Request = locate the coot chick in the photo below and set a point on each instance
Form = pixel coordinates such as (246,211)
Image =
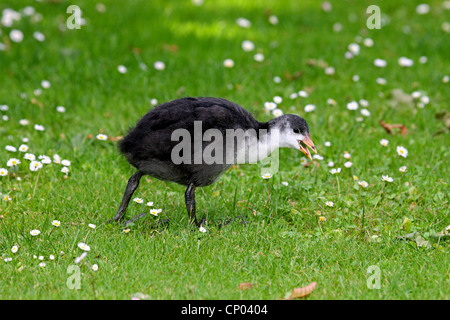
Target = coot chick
(192,141)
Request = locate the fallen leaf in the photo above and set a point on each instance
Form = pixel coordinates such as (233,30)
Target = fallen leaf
(303,292)
(407,224)
(115,138)
(245,285)
(390,127)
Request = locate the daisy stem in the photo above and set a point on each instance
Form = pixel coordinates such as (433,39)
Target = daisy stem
(379,197)
(339,188)
(35,184)
(268,192)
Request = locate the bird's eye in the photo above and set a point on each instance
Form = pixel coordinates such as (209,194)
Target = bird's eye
(296,130)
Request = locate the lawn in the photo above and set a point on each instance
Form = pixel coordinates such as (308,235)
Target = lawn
(355,233)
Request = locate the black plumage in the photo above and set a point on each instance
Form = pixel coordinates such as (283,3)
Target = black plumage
(149,145)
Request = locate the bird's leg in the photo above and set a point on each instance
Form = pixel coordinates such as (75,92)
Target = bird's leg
(190,203)
(133,183)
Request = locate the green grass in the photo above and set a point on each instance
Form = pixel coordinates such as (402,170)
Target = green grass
(276,243)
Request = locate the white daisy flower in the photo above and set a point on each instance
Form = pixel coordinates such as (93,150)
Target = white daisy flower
(334,171)
(347,155)
(329,203)
(327,144)
(266,176)
(159,65)
(228,63)
(102,137)
(331,102)
(202,229)
(60,109)
(13,162)
(149,204)
(16,35)
(365,112)
(423,8)
(155,212)
(138,200)
(348,164)
(45,159)
(80,258)
(277,99)
(247,46)
(330,164)
(354,48)
(329,71)
(24,122)
(95,267)
(39,127)
(363,184)
(277,113)
(42,264)
(363,103)
(384,142)
(35,165)
(353,105)
(45,84)
(380,63)
(381,81)
(317,157)
(66,163)
(10,148)
(84,246)
(368,42)
(285,183)
(243,23)
(56,158)
(405,62)
(269,106)
(91,225)
(29,156)
(258,57)
(310,108)
(56,223)
(14,249)
(402,151)
(35,232)
(277,79)
(23,148)
(39,36)
(51,257)
(387,178)
(403,169)
(122,69)
(303,94)
(273,19)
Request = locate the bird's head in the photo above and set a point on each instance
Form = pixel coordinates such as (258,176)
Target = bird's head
(293,132)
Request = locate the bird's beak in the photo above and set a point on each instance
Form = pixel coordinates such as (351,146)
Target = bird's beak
(308,143)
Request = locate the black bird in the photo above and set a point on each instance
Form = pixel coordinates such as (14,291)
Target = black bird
(192,141)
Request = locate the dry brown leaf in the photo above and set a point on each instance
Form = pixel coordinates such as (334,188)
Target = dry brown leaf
(390,127)
(245,285)
(303,292)
(115,138)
